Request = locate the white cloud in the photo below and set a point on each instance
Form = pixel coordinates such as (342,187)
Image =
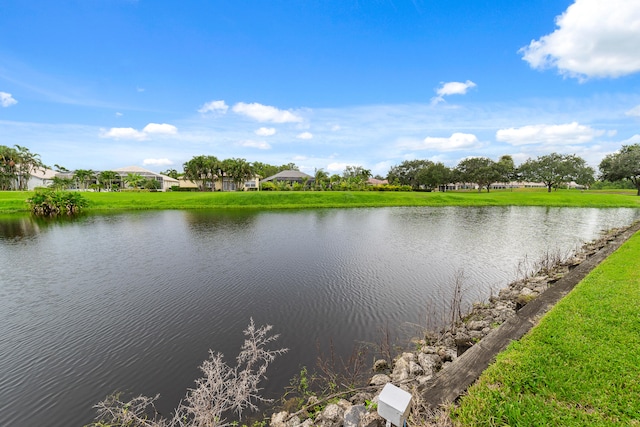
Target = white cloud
(635,139)
(594,38)
(261,145)
(6,100)
(452,88)
(570,133)
(265,131)
(305,135)
(634,112)
(124,133)
(456,141)
(157,162)
(337,167)
(266,113)
(163,129)
(131,133)
(118,114)
(214,107)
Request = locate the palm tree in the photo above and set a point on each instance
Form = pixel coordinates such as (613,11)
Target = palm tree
(202,170)
(83,176)
(239,171)
(320,179)
(8,168)
(61,183)
(27,163)
(106,178)
(134,180)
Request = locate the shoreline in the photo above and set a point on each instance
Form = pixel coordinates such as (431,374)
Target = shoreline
(448,362)
(13,202)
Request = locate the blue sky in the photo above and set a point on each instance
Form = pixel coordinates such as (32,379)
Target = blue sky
(103,84)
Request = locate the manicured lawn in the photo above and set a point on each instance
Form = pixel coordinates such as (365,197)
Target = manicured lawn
(580,366)
(15,201)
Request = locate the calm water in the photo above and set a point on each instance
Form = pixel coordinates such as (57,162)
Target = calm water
(134,301)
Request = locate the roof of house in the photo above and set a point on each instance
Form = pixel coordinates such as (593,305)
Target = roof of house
(374,181)
(43,173)
(143,171)
(290,175)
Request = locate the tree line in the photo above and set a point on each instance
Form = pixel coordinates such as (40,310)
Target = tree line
(16,167)
(554,170)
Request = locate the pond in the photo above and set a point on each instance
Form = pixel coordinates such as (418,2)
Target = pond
(133,301)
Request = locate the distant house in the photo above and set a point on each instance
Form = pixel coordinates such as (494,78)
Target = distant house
(290,177)
(187,183)
(374,181)
(226,185)
(40,178)
(166,182)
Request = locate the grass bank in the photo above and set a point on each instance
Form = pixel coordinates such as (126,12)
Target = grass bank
(14,201)
(581,364)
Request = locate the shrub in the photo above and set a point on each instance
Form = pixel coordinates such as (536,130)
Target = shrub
(268,186)
(46,202)
(222,389)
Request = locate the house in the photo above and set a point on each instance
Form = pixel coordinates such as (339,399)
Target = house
(290,177)
(187,184)
(375,181)
(227,184)
(40,178)
(166,182)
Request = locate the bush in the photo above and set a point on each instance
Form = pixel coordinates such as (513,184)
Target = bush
(390,187)
(46,202)
(268,186)
(222,389)
(617,185)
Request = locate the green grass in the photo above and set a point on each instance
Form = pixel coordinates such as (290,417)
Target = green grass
(580,366)
(13,201)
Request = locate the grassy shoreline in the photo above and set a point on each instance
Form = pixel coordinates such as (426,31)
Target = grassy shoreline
(579,366)
(14,201)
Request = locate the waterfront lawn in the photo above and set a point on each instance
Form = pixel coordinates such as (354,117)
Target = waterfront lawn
(581,364)
(14,201)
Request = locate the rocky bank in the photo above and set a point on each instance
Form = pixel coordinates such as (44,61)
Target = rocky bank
(411,370)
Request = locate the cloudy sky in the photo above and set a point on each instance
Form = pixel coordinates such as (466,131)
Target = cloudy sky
(103,84)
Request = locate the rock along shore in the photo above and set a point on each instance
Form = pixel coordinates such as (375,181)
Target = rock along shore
(421,372)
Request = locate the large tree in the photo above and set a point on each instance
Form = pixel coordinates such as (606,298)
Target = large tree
(406,172)
(555,169)
(202,170)
(478,170)
(433,176)
(506,168)
(622,165)
(238,171)
(264,170)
